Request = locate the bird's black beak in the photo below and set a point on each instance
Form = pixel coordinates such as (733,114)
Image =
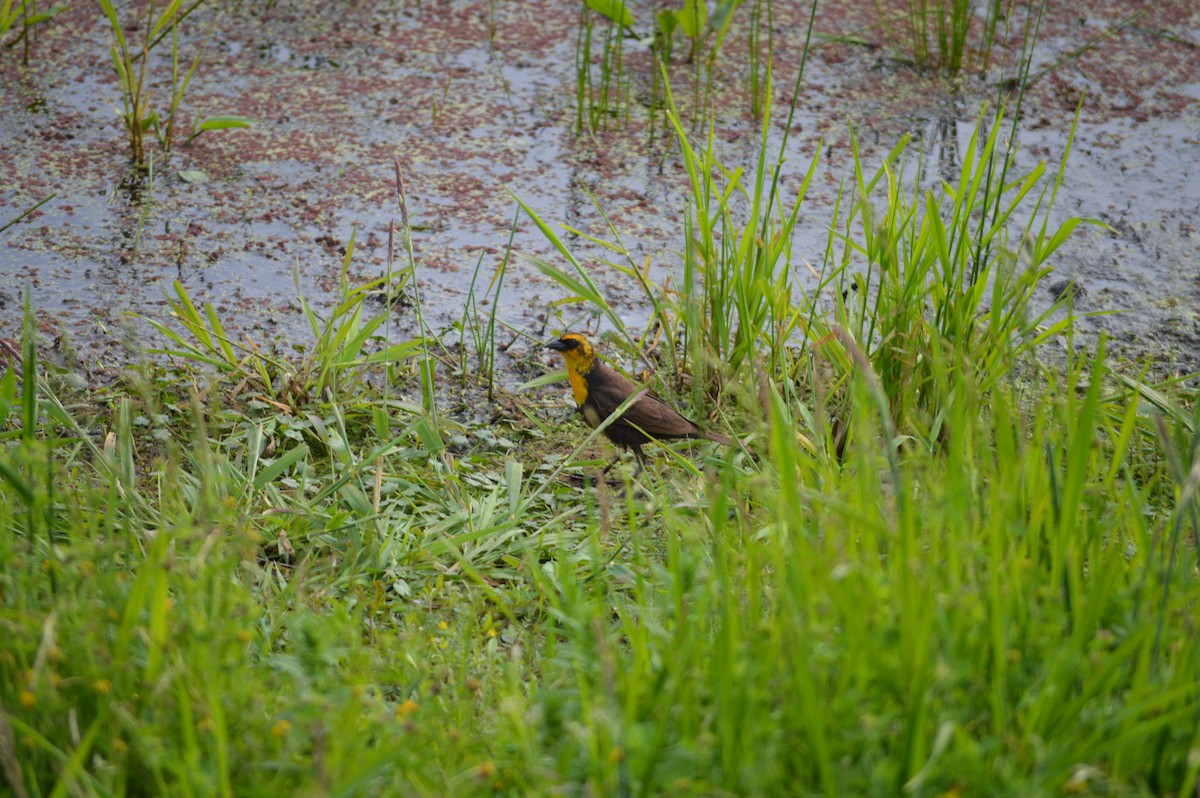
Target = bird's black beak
(557,346)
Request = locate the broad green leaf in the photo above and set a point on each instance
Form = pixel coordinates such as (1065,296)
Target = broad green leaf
(166,18)
(616,10)
(546,379)
(224,123)
(219,123)
(668,21)
(692,18)
(42,17)
(271,472)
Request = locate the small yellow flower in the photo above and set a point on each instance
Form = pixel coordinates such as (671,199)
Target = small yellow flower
(491,633)
(281,728)
(102,686)
(27,699)
(443,625)
(485,770)
(407,708)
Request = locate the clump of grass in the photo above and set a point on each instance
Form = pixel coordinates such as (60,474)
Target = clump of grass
(603,95)
(761,51)
(479,327)
(346,343)
(426,361)
(343,345)
(132,62)
(949,36)
(943,269)
(700,28)
(24,15)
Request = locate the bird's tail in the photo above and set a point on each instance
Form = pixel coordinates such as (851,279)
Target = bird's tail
(717,437)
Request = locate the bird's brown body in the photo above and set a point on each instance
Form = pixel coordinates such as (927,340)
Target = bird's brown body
(599,391)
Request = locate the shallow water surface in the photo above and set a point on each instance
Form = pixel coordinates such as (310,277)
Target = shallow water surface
(341,91)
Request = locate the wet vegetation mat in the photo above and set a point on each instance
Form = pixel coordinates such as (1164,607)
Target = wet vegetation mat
(295,500)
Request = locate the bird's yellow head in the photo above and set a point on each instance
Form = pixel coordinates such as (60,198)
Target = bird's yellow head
(580,358)
(576,351)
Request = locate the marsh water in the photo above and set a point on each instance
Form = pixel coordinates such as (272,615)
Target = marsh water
(477,102)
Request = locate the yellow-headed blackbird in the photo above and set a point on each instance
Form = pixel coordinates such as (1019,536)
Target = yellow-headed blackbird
(599,391)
